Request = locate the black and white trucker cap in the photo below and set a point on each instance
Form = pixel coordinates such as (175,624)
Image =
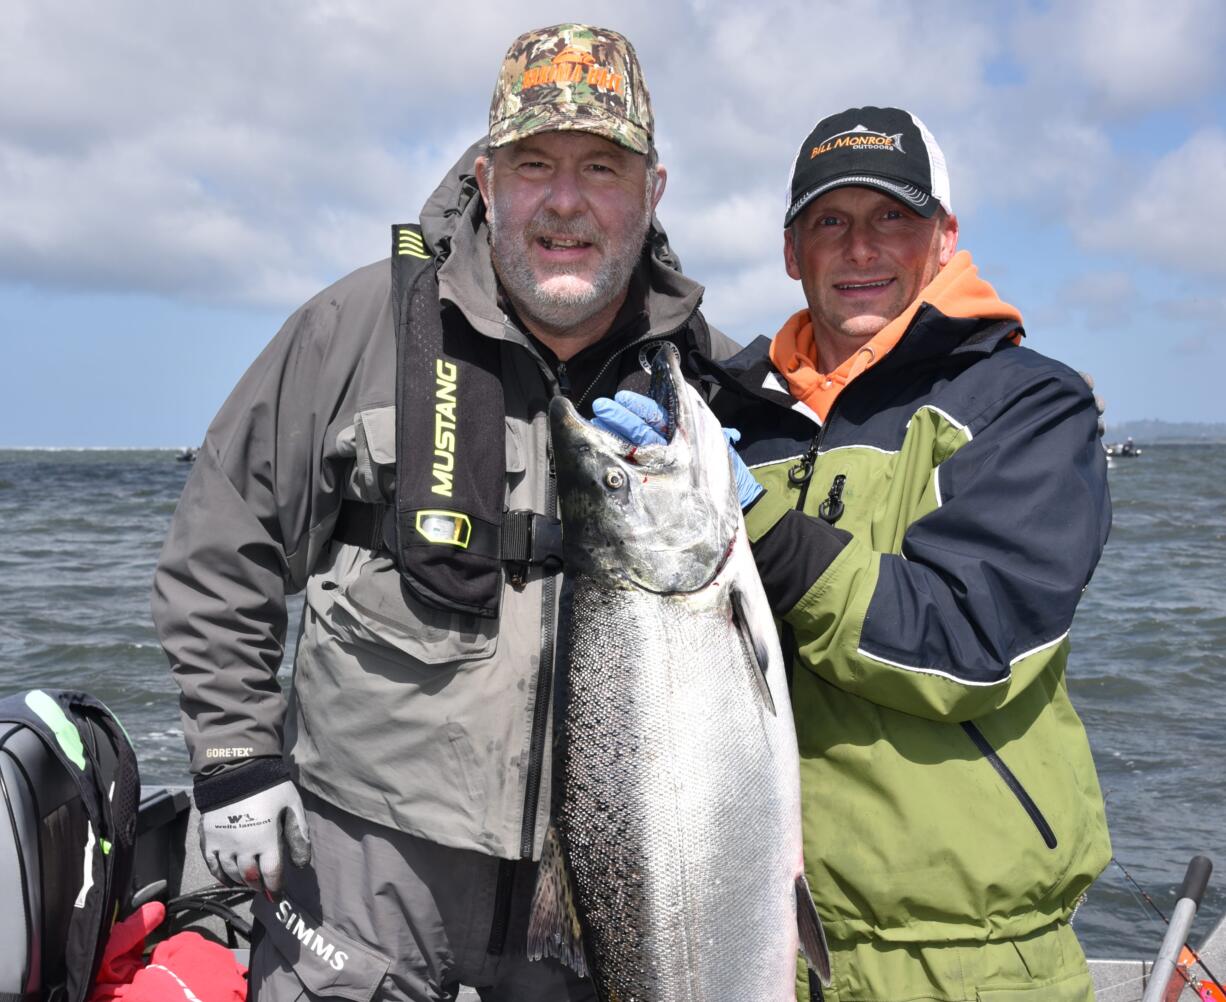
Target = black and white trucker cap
(885,148)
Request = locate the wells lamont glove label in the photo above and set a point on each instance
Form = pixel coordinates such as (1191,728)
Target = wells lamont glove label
(240,821)
(326,961)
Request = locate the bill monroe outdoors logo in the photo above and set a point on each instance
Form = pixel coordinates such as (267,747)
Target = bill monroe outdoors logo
(859,139)
(572,65)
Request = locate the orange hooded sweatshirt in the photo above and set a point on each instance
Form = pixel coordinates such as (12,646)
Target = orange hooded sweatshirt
(957,291)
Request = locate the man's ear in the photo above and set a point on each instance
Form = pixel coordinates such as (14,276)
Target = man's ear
(660,181)
(789,255)
(480,166)
(949,239)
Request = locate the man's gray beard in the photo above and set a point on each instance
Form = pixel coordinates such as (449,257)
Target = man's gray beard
(563,310)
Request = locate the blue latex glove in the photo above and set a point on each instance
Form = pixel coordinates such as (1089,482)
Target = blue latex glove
(748,490)
(641,421)
(632,416)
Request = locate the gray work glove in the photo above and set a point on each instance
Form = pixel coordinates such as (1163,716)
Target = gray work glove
(243,842)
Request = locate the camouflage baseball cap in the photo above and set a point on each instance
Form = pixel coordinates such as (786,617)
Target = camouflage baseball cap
(572,76)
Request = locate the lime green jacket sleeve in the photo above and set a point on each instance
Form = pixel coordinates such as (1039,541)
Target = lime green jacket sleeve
(951,580)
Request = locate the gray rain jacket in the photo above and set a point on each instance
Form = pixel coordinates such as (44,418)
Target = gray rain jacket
(424,721)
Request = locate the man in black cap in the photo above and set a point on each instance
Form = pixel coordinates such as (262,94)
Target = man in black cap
(927,503)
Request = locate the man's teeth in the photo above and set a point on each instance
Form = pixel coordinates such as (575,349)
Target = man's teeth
(864,285)
(558,242)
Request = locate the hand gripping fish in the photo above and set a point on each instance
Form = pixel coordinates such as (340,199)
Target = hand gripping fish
(672,868)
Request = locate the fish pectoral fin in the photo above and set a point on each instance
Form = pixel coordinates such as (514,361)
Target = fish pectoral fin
(812,936)
(760,654)
(553,925)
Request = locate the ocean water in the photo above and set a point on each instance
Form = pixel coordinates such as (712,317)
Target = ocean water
(80,532)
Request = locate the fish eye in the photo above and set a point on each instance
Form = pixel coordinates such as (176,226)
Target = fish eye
(614,479)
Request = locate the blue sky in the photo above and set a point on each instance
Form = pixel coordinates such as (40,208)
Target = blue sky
(175,179)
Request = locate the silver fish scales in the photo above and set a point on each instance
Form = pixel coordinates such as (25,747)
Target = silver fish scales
(672,869)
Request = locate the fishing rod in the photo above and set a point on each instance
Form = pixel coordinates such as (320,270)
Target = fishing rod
(1174,944)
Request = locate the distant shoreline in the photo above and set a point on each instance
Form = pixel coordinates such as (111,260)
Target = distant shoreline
(1154,431)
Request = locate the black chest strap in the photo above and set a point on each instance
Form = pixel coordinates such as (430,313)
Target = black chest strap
(529,539)
(445,529)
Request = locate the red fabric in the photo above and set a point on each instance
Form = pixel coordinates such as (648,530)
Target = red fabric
(125,948)
(188,967)
(184,968)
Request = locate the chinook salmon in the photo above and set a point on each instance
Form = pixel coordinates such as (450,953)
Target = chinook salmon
(672,867)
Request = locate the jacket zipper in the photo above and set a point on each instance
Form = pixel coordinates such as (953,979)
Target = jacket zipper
(633,344)
(1011,781)
(544,686)
(540,719)
(800,475)
(831,510)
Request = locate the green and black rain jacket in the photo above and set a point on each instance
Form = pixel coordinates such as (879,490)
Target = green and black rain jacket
(924,550)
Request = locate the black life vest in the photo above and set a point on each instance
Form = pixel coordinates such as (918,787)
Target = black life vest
(447,531)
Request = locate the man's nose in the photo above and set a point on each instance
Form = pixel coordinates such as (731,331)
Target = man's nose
(565,196)
(860,247)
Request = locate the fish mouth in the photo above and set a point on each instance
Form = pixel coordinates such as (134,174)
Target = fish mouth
(657,518)
(665,370)
(664,390)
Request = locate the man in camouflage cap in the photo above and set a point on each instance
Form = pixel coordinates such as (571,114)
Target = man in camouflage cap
(572,77)
(570,180)
(411,761)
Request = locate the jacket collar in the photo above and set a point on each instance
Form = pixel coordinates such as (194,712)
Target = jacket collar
(931,334)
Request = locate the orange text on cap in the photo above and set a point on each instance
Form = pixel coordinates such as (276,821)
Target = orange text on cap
(568,67)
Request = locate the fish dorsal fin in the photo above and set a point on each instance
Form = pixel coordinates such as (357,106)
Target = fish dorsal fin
(760,658)
(812,935)
(553,926)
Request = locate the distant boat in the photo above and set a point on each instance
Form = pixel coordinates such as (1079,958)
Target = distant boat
(1124,450)
(187,454)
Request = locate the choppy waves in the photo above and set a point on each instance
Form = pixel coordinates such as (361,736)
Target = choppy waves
(83,528)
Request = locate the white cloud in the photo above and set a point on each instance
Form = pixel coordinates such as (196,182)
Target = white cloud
(751,300)
(249,153)
(742,226)
(1103,300)
(1129,55)
(1176,217)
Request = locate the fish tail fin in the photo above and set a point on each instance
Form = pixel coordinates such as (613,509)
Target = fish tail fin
(812,936)
(553,925)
